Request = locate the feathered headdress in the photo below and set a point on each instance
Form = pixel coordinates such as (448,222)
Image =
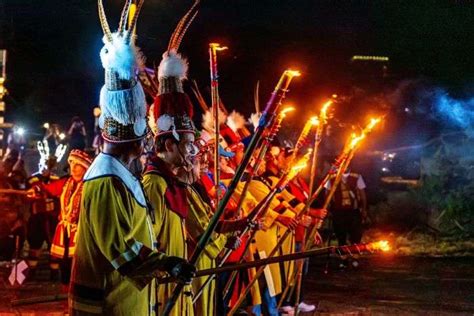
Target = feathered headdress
(122,99)
(172,110)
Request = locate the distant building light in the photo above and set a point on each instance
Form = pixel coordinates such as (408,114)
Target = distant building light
(369,58)
(385,169)
(407,110)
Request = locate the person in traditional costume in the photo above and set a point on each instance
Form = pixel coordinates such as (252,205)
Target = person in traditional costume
(279,217)
(295,194)
(63,246)
(181,210)
(116,259)
(45,208)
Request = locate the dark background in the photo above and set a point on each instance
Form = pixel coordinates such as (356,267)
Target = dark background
(54,70)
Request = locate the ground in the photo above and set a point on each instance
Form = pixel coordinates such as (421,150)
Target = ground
(382,285)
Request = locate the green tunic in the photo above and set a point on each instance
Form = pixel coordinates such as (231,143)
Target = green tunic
(115,259)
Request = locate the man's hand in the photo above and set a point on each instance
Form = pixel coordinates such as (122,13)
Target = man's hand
(318,223)
(306,221)
(180,269)
(320,213)
(318,240)
(287,221)
(233,242)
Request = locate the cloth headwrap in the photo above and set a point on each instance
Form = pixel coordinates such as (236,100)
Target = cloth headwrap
(79,157)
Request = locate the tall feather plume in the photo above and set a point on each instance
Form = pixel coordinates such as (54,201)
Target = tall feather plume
(124,16)
(133,23)
(182,27)
(103,21)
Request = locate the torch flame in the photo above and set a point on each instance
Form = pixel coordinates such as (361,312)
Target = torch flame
(314,120)
(355,140)
(286,110)
(324,109)
(299,165)
(372,123)
(382,245)
(292,73)
(217,47)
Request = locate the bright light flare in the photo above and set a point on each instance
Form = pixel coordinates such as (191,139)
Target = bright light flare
(96,111)
(46,125)
(217,47)
(62,136)
(314,121)
(20,131)
(382,245)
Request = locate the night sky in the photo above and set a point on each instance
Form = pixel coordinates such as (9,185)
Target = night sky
(54,69)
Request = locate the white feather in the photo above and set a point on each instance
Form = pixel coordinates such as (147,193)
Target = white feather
(235,121)
(255,119)
(121,56)
(208,120)
(173,65)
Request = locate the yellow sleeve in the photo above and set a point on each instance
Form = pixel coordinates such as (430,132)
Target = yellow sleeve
(197,222)
(109,211)
(154,187)
(259,190)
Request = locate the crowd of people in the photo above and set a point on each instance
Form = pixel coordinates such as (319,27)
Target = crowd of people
(137,211)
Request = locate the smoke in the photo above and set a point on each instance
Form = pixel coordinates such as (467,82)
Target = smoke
(458,112)
(424,100)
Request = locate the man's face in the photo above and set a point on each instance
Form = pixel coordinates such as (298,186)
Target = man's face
(183,152)
(77,171)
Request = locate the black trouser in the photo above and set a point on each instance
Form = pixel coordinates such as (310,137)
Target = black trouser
(347,225)
(40,228)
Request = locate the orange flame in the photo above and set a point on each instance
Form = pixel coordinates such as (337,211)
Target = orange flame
(382,245)
(324,109)
(286,110)
(292,73)
(356,140)
(217,47)
(299,165)
(371,125)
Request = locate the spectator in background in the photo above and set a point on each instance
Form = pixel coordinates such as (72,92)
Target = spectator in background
(16,139)
(52,137)
(349,210)
(77,134)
